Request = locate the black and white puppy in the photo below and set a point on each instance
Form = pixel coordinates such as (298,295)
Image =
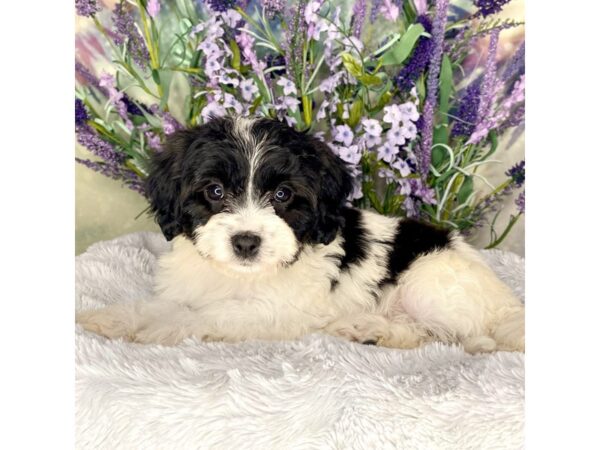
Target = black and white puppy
(265,247)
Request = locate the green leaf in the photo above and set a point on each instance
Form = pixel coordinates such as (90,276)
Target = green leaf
(156,76)
(370,80)
(403,48)
(465,190)
(235,58)
(352,65)
(355,112)
(440,135)
(446,87)
(438,157)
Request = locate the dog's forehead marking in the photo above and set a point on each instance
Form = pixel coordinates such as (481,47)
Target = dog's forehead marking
(253,148)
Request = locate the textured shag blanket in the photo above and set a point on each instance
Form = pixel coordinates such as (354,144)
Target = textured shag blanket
(316,393)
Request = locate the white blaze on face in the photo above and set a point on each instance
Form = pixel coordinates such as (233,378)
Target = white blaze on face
(248,214)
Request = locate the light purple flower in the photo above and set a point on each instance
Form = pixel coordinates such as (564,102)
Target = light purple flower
(211,67)
(372,127)
(322,113)
(153,8)
(170,124)
(329,84)
(248,89)
(389,10)
(392,114)
(350,154)
(395,136)
(213,109)
(289,88)
(520,202)
(409,112)
(371,141)
(409,130)
(343,134)
(401,166)
(290,103)
(420,6)
(231,18)
(387,152)
(229,101)
(291,121)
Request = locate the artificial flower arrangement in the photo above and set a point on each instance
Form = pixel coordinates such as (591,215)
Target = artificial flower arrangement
(398,106)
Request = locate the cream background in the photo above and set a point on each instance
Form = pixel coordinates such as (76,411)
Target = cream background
(105,210)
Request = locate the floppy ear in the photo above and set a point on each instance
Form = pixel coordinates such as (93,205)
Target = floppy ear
(336,185)
(163,185)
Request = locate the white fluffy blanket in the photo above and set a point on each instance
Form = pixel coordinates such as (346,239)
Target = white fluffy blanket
(319,392)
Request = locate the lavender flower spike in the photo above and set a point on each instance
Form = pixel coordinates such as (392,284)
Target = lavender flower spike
(488,92)
(437,32)
(86,8)
(358,13)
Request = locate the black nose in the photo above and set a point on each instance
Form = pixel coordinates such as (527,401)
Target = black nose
(245,245)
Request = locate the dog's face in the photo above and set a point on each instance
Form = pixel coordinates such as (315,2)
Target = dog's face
(248,192)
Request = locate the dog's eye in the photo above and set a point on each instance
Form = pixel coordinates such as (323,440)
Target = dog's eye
(282,195)
(215,192)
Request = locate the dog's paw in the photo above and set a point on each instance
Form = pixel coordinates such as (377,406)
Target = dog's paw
(112,322)
(156,334)
(365,329)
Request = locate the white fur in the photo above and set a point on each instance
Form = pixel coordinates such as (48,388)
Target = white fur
(449,296)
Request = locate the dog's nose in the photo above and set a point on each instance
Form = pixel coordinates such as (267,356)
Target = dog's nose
(245,245)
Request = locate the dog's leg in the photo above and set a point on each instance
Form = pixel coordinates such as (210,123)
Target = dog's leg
(142,322)
(376,329)
(458,299)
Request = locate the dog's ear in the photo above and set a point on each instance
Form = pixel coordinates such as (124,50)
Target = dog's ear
(336,186)
(163,185)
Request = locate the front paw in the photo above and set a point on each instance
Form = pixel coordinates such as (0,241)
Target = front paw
(368,329)
(113,322)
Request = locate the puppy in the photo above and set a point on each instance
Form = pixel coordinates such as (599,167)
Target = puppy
(265,247)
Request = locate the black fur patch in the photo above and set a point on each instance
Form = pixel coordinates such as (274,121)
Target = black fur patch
(354,234)
(412,240)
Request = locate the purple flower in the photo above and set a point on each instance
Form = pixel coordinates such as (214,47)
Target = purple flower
(221,5)
(409,112)
(89,78)
(116,172)
(467,110)
(343,134)
(81,115)
(487,94)
(350,154)
(488,7)
(273,7)
(409,130)
(520,202)
(419,59)
(439,25)
(401,166)
(392,114)
(389,10)
(372,127)
(387,152)
(126,31)
(170,124)
(516,65)
(358,16)
(517,173)
(86,8)
(132,108)
(99,147)
(289,88)
(248,88)
(395,136)
(153,8)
